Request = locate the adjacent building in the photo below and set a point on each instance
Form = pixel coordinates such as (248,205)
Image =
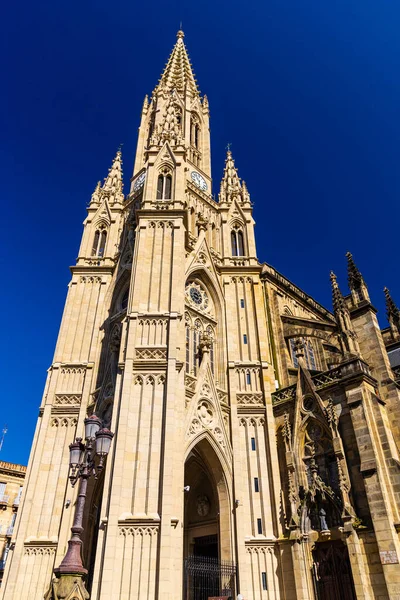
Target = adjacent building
(11,484)
(257,433)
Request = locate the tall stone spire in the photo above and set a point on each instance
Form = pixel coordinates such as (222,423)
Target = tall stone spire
(356,281)
(178,73)
(347,336)
(232,188)
(393,314)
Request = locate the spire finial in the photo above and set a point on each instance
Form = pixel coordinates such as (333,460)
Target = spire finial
(392,312)
(178,73)
(113,183)
(355,279)
(337,298)
(354,275)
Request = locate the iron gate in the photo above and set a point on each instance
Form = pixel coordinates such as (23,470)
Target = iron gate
(332,572)
(206,577)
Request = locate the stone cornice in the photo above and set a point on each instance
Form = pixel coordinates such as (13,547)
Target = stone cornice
(270,273)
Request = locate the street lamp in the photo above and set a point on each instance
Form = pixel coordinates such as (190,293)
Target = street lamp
(86,459)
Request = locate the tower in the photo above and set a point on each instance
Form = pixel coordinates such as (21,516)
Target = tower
(256,433)
(164,337)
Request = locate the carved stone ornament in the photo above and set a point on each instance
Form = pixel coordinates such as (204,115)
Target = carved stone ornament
(67,587)
(203,506)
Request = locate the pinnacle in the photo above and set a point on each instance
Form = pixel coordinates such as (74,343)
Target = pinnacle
(178,73)
(391,309)
(355,278)
(231,184)
(113,182)
(337,298)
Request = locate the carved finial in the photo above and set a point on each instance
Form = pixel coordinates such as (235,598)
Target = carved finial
(180,34)
(356,281)
(392,312)
(113,183)
(337,298)
(231,186)
(346,334)
(96,194)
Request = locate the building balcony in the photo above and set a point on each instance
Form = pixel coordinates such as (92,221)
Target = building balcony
(3,501)
(16,503)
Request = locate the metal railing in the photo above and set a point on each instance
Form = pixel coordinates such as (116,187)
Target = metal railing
(17,501)
(207,577)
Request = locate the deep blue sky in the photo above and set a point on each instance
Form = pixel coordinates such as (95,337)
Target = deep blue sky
(308,92)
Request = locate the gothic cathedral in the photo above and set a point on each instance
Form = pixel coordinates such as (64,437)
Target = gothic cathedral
(256,433)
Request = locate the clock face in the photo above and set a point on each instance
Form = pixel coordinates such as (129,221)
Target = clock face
(139,181)
(196,296)
(199,181)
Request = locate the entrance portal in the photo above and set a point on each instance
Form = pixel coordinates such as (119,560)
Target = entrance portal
(208,572)
(332,572)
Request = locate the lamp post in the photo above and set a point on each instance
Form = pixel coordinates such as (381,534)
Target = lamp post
(83,464)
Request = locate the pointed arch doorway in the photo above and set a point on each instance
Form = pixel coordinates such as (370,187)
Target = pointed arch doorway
(209,570)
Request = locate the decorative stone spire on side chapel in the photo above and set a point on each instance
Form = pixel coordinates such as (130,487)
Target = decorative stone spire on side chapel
(393,314)
(347,336)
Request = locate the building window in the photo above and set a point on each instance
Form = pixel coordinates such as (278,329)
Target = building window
(248,378)
(264,580)
(242,303)
(234,243)
(244,338)
(187,349)
(256,488)
(99,242)
(259,526)
(253,443)
(237,242)
(358,294)
(2,489)
(164,186)
(124,300)
(309,354)
(194,131)
(18,498)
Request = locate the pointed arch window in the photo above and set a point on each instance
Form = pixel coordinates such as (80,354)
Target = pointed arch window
(124,300)
(99,242)
(309,354)
(164,186)
(187,348)
(195,131)
(237,242)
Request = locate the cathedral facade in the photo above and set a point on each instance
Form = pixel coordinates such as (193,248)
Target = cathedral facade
(256,433)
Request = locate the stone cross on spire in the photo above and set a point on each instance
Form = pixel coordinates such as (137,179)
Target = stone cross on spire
(178,73)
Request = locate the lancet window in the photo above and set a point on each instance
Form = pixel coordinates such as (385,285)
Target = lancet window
(164,185)
(237,242)
(195,332)
(99,241)
(309,354)
(194,131)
